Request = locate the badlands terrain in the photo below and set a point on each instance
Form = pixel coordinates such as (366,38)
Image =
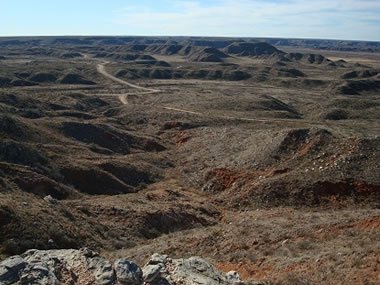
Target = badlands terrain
(259,155)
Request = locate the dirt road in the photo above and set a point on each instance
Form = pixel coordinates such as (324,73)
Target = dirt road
(124,100)
(124,97)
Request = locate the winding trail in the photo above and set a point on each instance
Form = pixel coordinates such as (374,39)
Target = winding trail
(124,100)
(124,97)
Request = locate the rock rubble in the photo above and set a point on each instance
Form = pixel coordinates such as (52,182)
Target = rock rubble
(85,267)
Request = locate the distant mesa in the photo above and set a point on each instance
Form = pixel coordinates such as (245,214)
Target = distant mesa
(139,44)
(125,56)
(357,87)
(194,53)
(43,78)
(73,78)
(153,63)
(220,44)
(335,115)
(136,47)
(236,75)
(307,58)
(126,74)
(167,73)
(208,55)
(166,49)
(173,49)
(23,79)
(290,72)
(360,74)
(251,49)
(17,82)
(160,74)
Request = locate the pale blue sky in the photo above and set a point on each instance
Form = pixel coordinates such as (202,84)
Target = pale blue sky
(334,19)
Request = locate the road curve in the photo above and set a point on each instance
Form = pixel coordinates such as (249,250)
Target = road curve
(102,70)
(123,99)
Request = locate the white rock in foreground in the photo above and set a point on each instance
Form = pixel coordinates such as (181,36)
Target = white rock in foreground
(85,267)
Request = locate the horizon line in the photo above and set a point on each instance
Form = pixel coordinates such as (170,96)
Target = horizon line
(188,36)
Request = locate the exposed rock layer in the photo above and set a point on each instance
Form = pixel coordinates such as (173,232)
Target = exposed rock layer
(87,267)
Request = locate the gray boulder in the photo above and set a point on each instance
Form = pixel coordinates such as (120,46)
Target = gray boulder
(195,270)
(127,272)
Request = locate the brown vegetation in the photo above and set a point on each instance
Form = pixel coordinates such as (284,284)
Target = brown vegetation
(261,160)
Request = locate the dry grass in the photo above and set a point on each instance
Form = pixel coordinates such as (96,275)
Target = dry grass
(252,176)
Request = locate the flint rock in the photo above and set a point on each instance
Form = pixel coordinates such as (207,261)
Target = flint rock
(128,272)
(151,272)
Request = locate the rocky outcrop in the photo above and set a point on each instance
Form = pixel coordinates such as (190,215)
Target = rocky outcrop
(196,270)
(85,267)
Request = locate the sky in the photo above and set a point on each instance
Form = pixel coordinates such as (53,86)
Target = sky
(322,19)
